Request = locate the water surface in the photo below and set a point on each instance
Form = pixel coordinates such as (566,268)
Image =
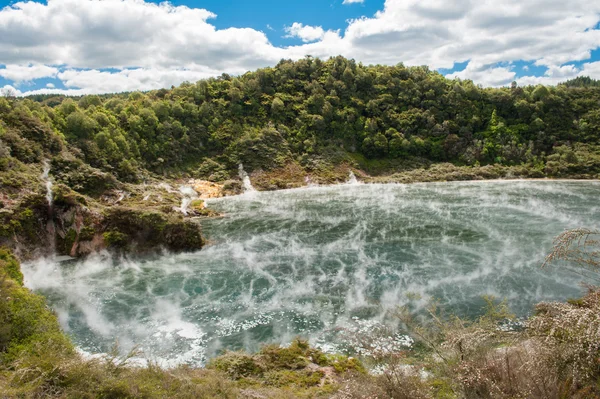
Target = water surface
(320,262)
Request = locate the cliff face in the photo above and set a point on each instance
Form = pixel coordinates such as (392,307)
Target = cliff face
(75,225)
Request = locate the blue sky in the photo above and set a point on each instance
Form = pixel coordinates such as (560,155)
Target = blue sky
(87,46)
(277,14)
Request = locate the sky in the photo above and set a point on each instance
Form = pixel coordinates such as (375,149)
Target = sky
(103,46)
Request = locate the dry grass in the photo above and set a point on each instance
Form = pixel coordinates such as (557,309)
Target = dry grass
(577,247)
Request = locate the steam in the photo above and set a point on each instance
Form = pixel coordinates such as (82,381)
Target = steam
(50,227)
(189,195)
(47,182)
(247,184)
(352,179)
(326,263)
(122,196)
(166,187)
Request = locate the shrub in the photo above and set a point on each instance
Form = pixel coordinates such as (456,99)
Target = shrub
(115,239)
(28,326)
(9,265)
(143,231)
(236,365)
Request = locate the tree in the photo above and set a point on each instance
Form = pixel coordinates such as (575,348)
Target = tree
(80,126)
(376,146)
(540,93)
(277,106)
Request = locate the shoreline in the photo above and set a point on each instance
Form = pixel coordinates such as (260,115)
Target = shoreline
(398,183)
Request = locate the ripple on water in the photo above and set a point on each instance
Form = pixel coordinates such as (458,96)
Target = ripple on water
(328,263)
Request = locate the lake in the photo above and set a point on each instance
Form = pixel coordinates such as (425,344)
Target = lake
(327,263)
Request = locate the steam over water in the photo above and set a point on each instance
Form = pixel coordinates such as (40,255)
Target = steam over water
(318,262)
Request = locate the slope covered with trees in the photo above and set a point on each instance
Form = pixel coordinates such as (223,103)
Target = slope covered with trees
(308,112)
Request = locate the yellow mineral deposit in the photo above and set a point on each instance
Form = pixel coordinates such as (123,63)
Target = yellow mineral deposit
(207,189)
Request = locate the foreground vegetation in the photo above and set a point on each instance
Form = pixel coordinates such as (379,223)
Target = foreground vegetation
(553,354)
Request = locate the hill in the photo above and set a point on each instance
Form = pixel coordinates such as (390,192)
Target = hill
(309,120)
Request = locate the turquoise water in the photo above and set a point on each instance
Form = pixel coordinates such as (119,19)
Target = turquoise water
(327,263)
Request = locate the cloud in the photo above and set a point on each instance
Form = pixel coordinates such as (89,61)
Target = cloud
(80,82)
(486,75)
(124,33)
(156,45)
(555,75)
(9,91)
(498,76)
(591,69)
(305,32)
(27,73)
(95,81)
(353,1)
(439,33)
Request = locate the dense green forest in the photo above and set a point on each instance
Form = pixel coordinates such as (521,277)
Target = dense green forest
(311,112)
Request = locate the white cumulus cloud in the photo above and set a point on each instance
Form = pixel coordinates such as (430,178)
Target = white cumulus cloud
(486,75)
(497,76)
(125,33)
(305,32)
(353,1)
(156,45)
(27,73)
(557,74)
(95,81)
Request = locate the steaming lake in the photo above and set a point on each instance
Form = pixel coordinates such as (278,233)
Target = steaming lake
(319,262)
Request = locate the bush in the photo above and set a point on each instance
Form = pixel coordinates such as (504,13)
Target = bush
(28,326)
(9,266)
(147,231)
(115,239)
(236,364)
(81,177)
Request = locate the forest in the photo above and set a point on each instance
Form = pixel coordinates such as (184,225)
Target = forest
(313,114)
